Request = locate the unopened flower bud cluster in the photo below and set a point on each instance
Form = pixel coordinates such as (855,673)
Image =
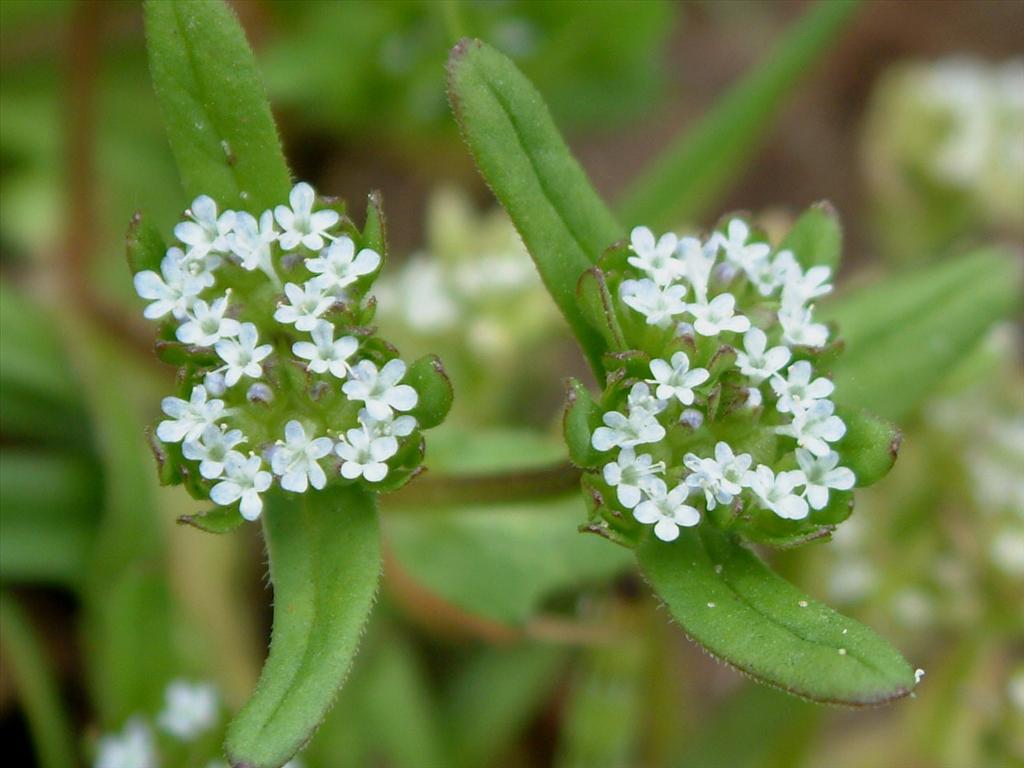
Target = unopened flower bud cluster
(733,305)
(283,381)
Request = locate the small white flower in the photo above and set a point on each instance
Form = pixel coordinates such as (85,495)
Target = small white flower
(245,479)
(641,399)
(241,356)
(212,448)
(748,257)
(379,390)
(815,427)
(797,391)
(300,223)
(775,492)
(188,418)
(174,290)
(295,460)
(666,510)
(770,275)
(722,477)
(251,241)
(324,353)
(802,287)
(190,709)
(393,426)
(133,747)
(206,324)
(676,379)
(206,232)
(365,455)
(340,266)
(658,305)
(656,259)
(717,316)
(822,473)
(625,431)
(799,328)
(306,305)
(698,261)
(630,475)
(757,362)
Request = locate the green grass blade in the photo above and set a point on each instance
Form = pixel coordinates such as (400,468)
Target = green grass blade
(730,603)
(688,178)
(904,335)
(37,690)
(518,149)
(324,564)
(214,106)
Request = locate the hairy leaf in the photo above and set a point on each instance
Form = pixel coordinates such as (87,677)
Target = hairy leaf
(214,106)
(689,177)
(907,333)
(324,564)
(518,149)
(730,603)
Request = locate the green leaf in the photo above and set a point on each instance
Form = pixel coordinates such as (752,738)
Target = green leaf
(870,445)
(217,520)
(214,106)
(375,228)
(38,692)
(324,564)
(688,178)
(144,244)
(582,416)
(816,238)
(428,377)
(596,304)
(518,149)
(730,603)
(494,696)
(906,334)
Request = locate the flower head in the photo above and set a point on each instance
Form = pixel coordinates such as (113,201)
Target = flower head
(172,291)
(797,391)
(364,454)
(244,481)
(756,361)
(133,747)
(207,324)
(306,304)
(339,266)
(666,510)
(324,353)
(212,448)
(776,491)
(379,390)
(630,475)
(822,473)
(658,305)
(296,459)
(188,417)
(190,709)
(657,259)
(251,242)
(676,379)
(242,356)
(300,223)
(206,231)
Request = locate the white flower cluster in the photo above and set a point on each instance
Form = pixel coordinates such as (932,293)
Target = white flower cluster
(218,311)
(727,294)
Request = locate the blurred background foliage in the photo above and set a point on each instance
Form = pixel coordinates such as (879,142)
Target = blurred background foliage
(505,638)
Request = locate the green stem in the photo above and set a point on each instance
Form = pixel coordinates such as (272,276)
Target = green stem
(37,689)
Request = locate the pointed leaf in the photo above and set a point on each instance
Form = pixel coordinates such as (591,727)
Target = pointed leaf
(689,177)
(582,416)
(870,445)
(518,149)
(217,520)
(428,377)
(730,603)
(816,238)
(324,564)
(145,246)
(213,104)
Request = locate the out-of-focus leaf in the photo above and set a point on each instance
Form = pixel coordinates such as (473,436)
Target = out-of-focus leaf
(731,604)
(388,715)
(49,512)
(324,564)
(214,107)
(688,178)
(493,697)
(37,691)
(816,238)
(756,727)
(518,149)
(904,335)
(519,552)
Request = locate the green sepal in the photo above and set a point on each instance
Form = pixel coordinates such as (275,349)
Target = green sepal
(816,238)
(581,417)
(598,308)
(428,377)
(144,245)
(217,520)
(870,445)
(177,354)
(375,228)
(168,468)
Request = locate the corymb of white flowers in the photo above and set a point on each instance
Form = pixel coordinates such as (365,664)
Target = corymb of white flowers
(715,408)
(282,378)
